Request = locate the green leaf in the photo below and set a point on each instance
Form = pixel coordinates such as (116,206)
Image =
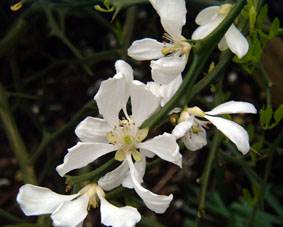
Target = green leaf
(278,115)
(261,18)
(274,28)
(265,117)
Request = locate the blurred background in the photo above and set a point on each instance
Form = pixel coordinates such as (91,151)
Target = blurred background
(53,56)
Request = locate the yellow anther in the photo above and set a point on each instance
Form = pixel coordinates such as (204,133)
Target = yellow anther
(173,119)
(111,137)
(16,6)
(127,140)
(225,9)
(166,50)
(136,155)
(120,155)
(196,111)
(142,134)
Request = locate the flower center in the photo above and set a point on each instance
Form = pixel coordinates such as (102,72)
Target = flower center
(91,191)
(182,46)
(225,9)
(126,135)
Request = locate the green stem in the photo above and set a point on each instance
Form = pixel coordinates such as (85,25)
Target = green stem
(15,139)
(268,166)
(205,176)
(201,52)
(48,139)
(95,174)
(267,84)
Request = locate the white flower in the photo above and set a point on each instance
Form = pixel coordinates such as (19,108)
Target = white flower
(102,136)
(172,55)
(193,132)
(71,210)
(165,91)
(210,18)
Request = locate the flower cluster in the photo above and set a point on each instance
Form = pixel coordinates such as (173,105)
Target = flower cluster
(124,104)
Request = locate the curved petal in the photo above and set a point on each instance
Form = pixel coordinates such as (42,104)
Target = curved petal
(144,103)
(222,45)
(125,69)
(111,215)
(233,107)
(35,200)
(204,30)
(145,49)
(237,43)
(71,213)
(92,130)
(108,106)
(165,147)
(206,15)
(172,15)
(182,128)
(114,178)
(195,141)
(140,167)
(82,154)
(169,90)
(236,133)
(166,69)
(157,203)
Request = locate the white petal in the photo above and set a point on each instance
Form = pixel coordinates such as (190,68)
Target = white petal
(144,103)
(236,133)
(111,215)
(237,43)
(169,90)
(125,69)
(204,30)
(233,107)
(172,15)
(167,69)
(157,203)
(114,178)
(195,141)
(71,213)
(140,167)
(92,130)
(222,45)
(108,106)
(207,15)
(182,128)
(82,154)
(165,147)
(35,200)
(145,49)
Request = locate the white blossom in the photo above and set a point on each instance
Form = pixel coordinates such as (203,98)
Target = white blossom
(209,18)
(71,210)
(124,136)
(169,58)
(192,130)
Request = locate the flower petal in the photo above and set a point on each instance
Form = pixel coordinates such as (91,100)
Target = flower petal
(35,200)
(204,30)
(236,133)
(123,68)
(140,167)
(144,103)
(114,178)
(111,215)
(206,15)
(108,106)
(233,107)
(82,154)
(237,43)
(92,130)
(172,15)
(182,128)
(222,45)
(157,203)
(71,213)
(195,141)
(145,49)
(165,147)
(166,69)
